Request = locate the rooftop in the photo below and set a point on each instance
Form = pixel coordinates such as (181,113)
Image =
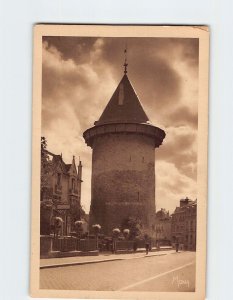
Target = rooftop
(124,106)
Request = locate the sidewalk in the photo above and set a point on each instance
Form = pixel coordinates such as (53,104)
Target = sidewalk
(81,260)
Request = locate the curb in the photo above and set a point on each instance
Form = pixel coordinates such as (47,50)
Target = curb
(96,261)
(79,263)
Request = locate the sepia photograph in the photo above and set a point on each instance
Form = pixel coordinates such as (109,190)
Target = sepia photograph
(119,168)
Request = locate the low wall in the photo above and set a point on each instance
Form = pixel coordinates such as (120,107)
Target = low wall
(124,245)
(45,244)
(129,245)
(73,246)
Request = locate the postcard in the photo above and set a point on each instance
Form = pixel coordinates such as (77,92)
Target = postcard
(119,165)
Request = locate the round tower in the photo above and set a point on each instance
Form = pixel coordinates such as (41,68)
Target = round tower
(123,161)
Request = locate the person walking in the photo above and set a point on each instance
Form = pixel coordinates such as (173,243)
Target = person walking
(177,246)
(147,245)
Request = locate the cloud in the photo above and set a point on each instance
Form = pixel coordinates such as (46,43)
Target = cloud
(79,76)
(180,148)
(78,86)
(183,116)
(171,186)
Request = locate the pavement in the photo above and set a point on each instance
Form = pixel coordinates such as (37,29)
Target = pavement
(164,271)
(81,260)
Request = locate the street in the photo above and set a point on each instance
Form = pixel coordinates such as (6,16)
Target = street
(169,272)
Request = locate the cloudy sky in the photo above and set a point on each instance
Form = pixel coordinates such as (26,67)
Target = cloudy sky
(79,78)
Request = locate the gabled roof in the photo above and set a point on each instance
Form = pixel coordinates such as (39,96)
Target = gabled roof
(58,161)
(124,106)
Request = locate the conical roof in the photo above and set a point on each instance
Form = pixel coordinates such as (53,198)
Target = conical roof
(124,106)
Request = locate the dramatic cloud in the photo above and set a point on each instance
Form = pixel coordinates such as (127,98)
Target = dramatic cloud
(172,185)
(81,74)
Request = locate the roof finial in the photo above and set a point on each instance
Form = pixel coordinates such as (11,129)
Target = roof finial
(125,64)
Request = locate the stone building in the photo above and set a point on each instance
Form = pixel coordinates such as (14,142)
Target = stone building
(61,201)
(123,161)
(163,226)
(184,224)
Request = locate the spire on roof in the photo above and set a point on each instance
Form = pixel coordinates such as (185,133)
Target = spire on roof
(124,106)
(125,64)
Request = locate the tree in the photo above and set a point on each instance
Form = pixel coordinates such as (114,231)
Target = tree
(46,208)
(79,227)
(44,170)
(46,202)
(126,233)
(58,223)
(96,228)
(76,213)
(134,225)
(116,232)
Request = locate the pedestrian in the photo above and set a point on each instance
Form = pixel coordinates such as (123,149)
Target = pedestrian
(177,246)
(147,244)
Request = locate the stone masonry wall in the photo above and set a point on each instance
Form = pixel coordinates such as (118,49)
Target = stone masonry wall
(123,180)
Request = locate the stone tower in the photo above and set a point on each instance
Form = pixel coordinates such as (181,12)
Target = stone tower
(123,161)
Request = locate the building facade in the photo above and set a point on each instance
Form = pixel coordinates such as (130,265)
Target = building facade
(184,224)
(123,161)
(162,227)
(61,198)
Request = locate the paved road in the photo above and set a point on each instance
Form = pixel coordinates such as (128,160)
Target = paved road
(171,272)
(62,261)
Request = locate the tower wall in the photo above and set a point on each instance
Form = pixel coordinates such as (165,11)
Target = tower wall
(123,179)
